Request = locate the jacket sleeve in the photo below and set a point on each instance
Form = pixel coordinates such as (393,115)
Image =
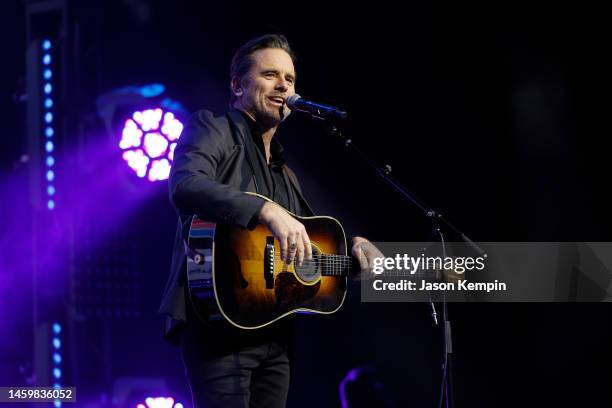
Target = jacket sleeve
(201,149)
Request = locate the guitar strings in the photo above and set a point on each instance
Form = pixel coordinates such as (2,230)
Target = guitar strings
(341,261)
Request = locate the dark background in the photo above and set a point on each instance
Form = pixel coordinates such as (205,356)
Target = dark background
(493,114)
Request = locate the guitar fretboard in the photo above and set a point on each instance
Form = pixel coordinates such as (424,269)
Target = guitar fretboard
(335,265)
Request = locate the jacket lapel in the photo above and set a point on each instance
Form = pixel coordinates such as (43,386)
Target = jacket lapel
(242,136)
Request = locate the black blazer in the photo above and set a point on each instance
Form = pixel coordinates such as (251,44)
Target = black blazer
(213,166)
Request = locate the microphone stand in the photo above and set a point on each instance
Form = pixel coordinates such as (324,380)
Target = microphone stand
(437,220)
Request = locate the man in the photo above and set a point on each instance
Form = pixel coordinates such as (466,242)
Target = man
(217,159)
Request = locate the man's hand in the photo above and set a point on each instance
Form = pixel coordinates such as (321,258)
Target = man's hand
(290,233)
(365,252)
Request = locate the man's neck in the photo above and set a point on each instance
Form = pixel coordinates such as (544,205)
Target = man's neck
(266,135)
(267,139)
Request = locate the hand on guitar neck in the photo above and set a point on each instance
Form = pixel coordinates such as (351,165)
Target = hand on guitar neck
(365,252)
(287,230)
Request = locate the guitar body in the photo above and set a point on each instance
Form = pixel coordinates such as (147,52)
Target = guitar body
(237,275)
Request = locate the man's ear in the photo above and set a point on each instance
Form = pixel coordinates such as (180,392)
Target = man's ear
(236,86)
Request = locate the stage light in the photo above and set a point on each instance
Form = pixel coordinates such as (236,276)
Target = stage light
(50,161)
(148,119)
(148,140)
(160,170)
(148,125)
(50,204)
(152,90)
(50,175)
(131,135)
(49,147)
(46,59)
(49,132)
(155,145)
(46,45)
(48,103)
(57,343)
(172,127)
(48,117)
(57,404)
(47,74)
(48,88)
(50,190)
(57,373)
(57,328)
(159,402)
(137,160)
(57,358)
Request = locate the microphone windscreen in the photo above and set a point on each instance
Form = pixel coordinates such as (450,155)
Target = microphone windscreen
(292,100)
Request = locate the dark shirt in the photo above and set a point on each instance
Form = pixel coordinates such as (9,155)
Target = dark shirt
(271,179)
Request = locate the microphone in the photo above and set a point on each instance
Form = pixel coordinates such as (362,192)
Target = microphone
(316,110)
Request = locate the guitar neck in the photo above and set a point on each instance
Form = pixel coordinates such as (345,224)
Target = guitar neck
(342,265)
(336,265)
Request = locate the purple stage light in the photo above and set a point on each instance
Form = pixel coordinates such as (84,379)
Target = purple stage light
(148,140)
(138,161)
(155,144)
(160,402)
(131,135)
(172,127)
(148,119)
(160,170)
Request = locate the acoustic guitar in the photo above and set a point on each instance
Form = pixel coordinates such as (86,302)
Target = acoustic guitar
(237,274)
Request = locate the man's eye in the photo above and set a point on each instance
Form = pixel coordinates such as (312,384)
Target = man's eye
(269,75)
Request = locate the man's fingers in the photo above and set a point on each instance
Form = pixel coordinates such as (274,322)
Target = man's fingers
(284,245)
(363,259)
(300,251)
(293,246)
(307,246)
(289,232)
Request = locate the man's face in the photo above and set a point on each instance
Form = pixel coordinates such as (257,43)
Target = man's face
(262,92)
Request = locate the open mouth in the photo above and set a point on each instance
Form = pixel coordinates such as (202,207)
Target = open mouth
(276,100)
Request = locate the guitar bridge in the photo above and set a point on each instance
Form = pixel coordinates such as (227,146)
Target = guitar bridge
(269,263)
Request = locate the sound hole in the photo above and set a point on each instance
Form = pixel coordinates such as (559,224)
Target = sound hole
(310,271)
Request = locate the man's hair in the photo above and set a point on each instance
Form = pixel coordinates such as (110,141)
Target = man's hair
(242,61)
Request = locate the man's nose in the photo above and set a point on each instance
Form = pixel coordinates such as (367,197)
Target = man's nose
(282,84)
